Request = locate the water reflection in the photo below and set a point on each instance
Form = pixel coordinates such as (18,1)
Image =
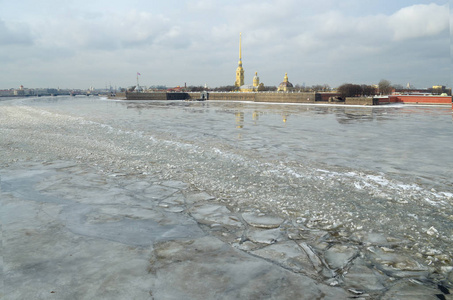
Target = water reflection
(256,116)
(343,115)
(239,119)
(353,115)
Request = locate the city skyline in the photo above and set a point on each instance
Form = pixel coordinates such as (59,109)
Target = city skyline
(79,44)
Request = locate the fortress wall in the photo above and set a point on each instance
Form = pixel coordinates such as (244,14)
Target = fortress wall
(325,96)
(232,96)
(265,97)
(177,96)
(147,96)
(118,96)
(421,99)
(157,96)
(193,95)
(359,101)
(286,97)
(276,97)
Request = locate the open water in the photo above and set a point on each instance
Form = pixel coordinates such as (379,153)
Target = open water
(385,169)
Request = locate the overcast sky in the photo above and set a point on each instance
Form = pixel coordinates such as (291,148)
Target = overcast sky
(81,43)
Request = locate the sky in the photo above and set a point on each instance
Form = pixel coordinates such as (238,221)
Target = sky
(98,43)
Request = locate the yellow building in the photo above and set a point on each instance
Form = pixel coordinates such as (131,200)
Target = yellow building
(257,86)
(239,71)
(256,80)
(285,86)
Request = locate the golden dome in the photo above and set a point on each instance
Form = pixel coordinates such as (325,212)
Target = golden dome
(256,80)
(285,85)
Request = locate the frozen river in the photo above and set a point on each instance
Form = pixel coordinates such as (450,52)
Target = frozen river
(353,172)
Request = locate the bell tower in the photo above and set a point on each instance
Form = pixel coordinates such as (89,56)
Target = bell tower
(239,71)
(256,80)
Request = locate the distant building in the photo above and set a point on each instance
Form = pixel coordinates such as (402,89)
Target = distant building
(176,89)
(439,89)
(256,86)
(256,80)
(239,71)
(21,91)
(285,86)
(5,93)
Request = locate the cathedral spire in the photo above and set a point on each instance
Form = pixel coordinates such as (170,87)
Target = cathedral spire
(240,71)
(240,49)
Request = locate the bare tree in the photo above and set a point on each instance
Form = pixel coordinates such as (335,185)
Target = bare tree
(385,87)
(269,88)
(368,90)
(228,88)
(350,90)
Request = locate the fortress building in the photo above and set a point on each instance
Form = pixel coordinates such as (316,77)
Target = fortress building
(239,71)
(285,86)
(240,75)
(257,86)
(256,80)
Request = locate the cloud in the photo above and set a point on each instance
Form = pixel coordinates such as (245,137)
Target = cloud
(342,36)
(412,22)
(202,6)
(419,21)
(14,34)
(316,42)
(108,32)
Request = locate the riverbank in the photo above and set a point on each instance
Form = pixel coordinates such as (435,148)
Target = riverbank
(289,97)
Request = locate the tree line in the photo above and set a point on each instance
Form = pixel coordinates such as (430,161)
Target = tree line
(356,90)
(226,88)
(384,87)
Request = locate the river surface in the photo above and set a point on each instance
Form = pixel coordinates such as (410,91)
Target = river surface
(386,169)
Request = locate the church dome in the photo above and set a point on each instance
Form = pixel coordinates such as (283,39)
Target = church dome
(256,80)
(285,85)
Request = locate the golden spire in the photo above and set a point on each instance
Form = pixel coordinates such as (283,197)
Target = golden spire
(240,48)
(239,71)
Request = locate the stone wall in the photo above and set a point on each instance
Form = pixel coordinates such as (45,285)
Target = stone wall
(147,96)
(193,95)
(156,96)
(276,97)
(422,99)
(117,96)
(286,97)
(177,96)
(236,96)
(360,101)
(259,97)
